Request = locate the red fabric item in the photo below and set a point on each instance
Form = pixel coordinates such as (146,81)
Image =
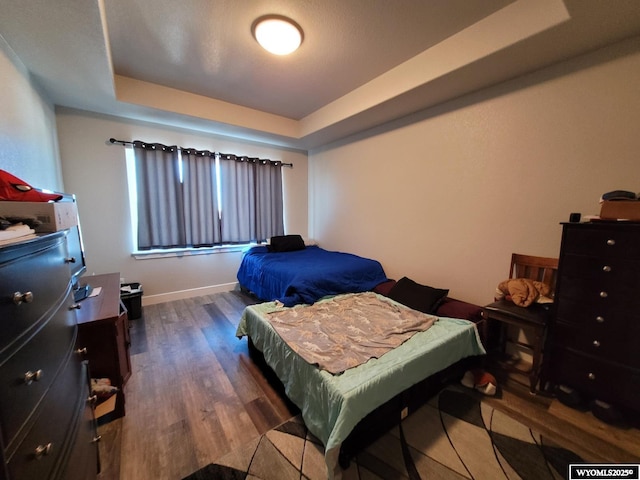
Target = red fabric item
(384,288)
(483,378)
(454,308)
(14,189)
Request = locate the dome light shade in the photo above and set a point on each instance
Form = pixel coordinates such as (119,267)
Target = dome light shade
(278,35)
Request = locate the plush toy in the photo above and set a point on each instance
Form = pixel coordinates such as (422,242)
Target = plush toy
(481,381)
(523,291)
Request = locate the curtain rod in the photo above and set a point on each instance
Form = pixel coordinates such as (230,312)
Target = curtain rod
(126,142)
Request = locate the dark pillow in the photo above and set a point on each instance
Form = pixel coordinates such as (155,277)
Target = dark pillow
(286,243)
(423,298)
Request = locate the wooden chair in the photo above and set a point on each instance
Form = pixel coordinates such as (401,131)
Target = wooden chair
(533,319)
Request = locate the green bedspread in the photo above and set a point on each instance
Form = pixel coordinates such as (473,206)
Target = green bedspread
(332,405)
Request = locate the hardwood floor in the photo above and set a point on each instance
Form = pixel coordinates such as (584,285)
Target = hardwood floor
(195,394)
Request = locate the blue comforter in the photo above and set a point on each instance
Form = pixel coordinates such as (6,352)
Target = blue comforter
(304,276)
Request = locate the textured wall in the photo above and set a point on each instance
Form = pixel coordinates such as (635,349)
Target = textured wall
(445,196)
(28,142)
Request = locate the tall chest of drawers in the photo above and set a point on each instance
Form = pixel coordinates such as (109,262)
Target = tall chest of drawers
(47,429)
(595,338)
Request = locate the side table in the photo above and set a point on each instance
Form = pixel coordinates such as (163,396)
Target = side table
(103,329)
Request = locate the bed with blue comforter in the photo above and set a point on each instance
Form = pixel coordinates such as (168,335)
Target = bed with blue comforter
(307,274)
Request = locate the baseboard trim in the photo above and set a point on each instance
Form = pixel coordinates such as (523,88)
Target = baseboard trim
(182,294)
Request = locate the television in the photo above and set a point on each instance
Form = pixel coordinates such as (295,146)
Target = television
(75,256)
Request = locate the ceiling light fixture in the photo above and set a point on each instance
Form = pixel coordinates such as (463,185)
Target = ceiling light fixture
(277,34)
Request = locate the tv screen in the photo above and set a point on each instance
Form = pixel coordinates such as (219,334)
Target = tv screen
(75,256)
(77,262)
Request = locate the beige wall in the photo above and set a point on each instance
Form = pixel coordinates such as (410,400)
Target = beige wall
(95,171)
(446,195)
(28,147)
(443,196)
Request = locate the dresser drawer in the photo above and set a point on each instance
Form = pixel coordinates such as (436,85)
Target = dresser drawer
(612,271)
(598,379)
(53,425)
(45,351)
(41,276)
(605,295)
(601,342)
(83,457)
(602,241)
(590,314)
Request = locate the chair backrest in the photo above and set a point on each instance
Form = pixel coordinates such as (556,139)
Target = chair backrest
(542,269)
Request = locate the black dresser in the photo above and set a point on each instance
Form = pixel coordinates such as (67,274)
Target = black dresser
(594,344)
(47,427)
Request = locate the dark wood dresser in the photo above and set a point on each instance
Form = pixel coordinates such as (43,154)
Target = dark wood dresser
(103,329)
(594,344)
(47,427)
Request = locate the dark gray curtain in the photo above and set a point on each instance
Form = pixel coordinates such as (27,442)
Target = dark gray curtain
(238,200)
(269,207)
(202,222)
(160,206)
(251,199)
(172,214)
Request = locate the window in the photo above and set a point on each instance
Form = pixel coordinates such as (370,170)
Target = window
(185,198)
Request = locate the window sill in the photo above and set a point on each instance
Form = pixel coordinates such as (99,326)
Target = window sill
(187,252)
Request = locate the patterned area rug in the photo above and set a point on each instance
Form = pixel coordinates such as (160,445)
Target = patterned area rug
(453,436)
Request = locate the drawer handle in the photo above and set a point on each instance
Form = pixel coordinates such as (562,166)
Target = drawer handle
(591,376)
(600,319)
(70,260)
(42,450)
(96,439)
(31,377)
(604,294)
(93,399)
(606,268)
(75,306)
(19,297)
(81,351)
(611,242)
(596,343)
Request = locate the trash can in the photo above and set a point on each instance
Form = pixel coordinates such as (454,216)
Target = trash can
(131,296)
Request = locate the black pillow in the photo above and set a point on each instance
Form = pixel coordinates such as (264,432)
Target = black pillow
(286,243)
(423,298)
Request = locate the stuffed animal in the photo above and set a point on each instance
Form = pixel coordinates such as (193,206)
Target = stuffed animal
(523,291)
(481,381)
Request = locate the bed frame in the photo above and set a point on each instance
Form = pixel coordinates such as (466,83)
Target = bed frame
(389,414)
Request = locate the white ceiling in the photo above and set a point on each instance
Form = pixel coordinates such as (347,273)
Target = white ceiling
(195,64)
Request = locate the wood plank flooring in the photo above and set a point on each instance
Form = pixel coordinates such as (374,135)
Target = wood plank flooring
(195,394)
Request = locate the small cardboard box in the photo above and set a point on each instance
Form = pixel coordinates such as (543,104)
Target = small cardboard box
(108,406)
(53,216)
(620,210)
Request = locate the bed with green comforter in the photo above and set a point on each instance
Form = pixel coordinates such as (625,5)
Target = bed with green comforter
(333,404)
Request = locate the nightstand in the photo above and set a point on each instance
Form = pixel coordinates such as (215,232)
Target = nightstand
(103,329)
